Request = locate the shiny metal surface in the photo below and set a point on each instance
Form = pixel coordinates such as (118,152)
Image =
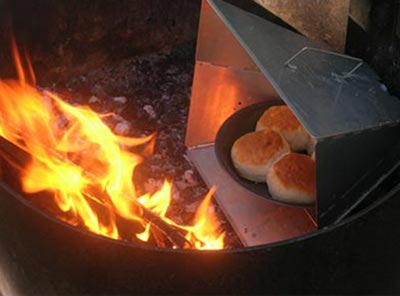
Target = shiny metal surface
(256,221)
(217,45)
(217,93)
(326,104)
(338,99)
(226,80)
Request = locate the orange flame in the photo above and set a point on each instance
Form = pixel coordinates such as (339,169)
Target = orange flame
(85,166)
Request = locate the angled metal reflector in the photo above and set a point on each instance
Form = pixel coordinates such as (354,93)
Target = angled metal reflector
(339,100)
(317,84)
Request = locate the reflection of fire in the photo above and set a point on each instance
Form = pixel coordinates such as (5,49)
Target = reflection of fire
(87,168)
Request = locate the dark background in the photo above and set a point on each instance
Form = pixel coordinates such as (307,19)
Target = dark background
(68,38)
(380,46)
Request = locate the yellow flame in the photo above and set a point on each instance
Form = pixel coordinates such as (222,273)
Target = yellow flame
(203,233)
(85,166)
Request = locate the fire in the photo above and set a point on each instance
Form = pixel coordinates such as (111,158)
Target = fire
(86,168)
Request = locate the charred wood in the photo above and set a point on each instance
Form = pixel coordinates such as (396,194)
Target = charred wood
(18,158)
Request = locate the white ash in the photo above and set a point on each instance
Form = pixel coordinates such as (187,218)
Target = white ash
(93,99)
(120,100)
(165,97)
(150,111)
(181,184)
(188,177)
(122,128)
(118,117)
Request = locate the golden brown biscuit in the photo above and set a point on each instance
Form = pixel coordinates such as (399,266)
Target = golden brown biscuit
(253,153)
(282,120)
(292,178)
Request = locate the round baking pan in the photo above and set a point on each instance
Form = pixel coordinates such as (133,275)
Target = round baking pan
(240,123)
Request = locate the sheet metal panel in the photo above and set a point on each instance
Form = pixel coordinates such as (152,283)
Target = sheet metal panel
(312,86)
(339,100)
(257,221)
(217,93)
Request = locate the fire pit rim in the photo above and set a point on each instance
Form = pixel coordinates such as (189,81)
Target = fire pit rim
(290,241)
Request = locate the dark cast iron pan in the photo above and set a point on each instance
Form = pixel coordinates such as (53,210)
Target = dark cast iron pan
(240,123)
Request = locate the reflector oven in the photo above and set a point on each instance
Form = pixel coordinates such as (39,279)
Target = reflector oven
(243,59)
(347,243)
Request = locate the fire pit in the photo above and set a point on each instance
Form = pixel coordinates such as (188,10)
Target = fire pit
(287,250)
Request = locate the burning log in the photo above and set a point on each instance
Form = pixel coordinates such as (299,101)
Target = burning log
(170,232)
(88,169)
(18,158)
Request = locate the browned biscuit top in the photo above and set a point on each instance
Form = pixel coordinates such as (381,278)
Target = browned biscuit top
(257,147)
(296,171)
(279,118)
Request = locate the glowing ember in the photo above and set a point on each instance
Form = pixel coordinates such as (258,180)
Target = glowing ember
(85,166)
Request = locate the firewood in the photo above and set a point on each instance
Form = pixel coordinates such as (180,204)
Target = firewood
(18,158)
